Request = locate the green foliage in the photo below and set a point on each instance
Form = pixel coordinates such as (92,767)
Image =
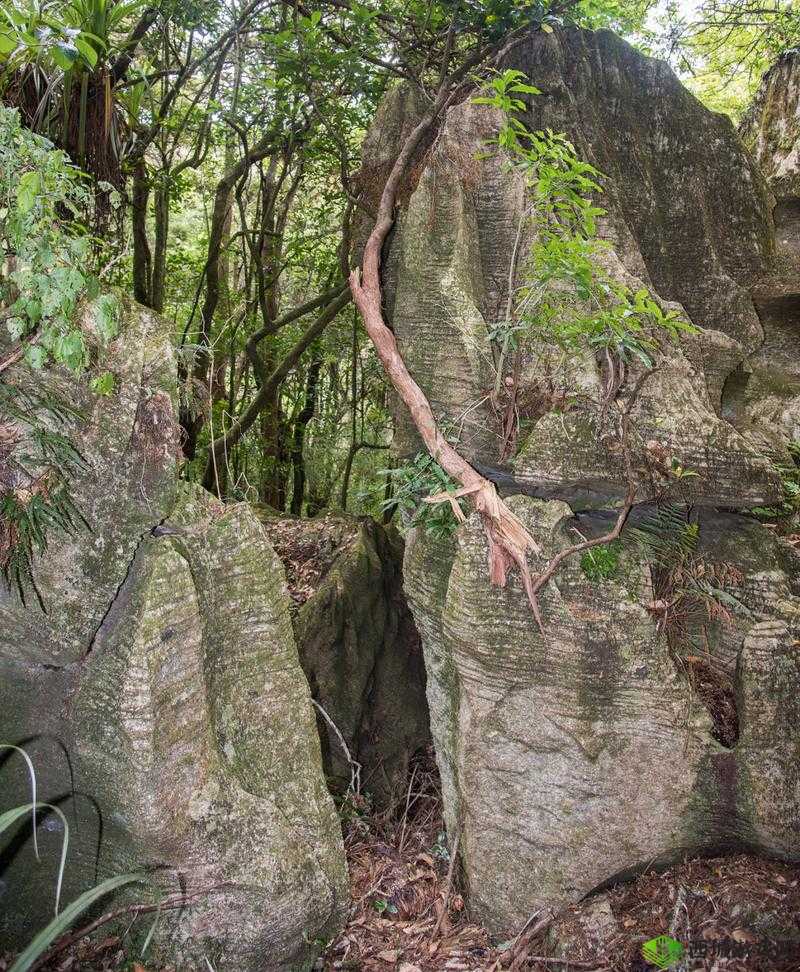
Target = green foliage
(663,537)
(39,462)
(416,481)
(571,302)
(45,276)
(601,562)
(55,63)
(73,35)
(722,47)
(790,480)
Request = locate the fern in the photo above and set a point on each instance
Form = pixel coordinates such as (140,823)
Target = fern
(36,467)
(664,535)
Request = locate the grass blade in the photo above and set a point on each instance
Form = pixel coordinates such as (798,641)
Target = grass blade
(10,817)
(32,773)
(63,921)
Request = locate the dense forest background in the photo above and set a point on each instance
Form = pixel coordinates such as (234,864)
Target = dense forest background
(218,149)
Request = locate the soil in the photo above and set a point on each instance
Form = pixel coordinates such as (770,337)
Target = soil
(308,549)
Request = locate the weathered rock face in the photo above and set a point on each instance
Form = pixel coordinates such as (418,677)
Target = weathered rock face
(572,757)
(575,757)
(771,128)
(358,646)
(162,700)
(688,217)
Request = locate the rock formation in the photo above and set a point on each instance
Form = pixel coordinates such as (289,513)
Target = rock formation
(626,732)
(771,128)
(358,646)
(154,680)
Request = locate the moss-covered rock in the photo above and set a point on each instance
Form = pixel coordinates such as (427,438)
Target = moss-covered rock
(157,687)
(584,753)
(575,756)
(359,648)
(688,218)
(771,127)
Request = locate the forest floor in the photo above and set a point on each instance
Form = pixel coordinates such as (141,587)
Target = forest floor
(407,912)
(408,915)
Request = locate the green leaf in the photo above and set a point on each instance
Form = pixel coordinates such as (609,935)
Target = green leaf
(87,51)
(8,44)
(525,89)
(27,191)
(103,384)
(106,315)
(10,817)
(35,356)
(65,55)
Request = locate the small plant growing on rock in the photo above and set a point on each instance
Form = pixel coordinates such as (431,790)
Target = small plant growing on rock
(602,562)
(568,302)
(427,496)
(790,480)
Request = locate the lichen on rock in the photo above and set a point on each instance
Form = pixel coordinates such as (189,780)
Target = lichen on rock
(576,754)
(158,690)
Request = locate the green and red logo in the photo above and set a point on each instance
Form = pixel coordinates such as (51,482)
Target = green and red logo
(662,952)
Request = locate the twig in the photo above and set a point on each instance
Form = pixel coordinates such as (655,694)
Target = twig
(405,813)
(355,766)
(526,937)
(559,961)
(178,901)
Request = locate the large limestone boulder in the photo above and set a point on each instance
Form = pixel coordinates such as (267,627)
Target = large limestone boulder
(359,648)
(578,755)
(688,217)
(155,682)
(634,728)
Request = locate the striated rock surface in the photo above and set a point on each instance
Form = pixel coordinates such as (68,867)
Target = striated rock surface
(579,756)
(688,217)
(771,128)
(358,646)
(632,730)
(158,691)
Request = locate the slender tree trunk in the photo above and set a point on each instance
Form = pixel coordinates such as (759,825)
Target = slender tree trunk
(269,388)
(159,277)
(275,457)
(142,259)
(298,438)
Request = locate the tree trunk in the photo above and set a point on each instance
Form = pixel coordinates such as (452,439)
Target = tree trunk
(298,438)
(275,456)
(142,260)
(159,277)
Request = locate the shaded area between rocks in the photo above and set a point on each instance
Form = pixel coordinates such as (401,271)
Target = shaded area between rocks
(359,647)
